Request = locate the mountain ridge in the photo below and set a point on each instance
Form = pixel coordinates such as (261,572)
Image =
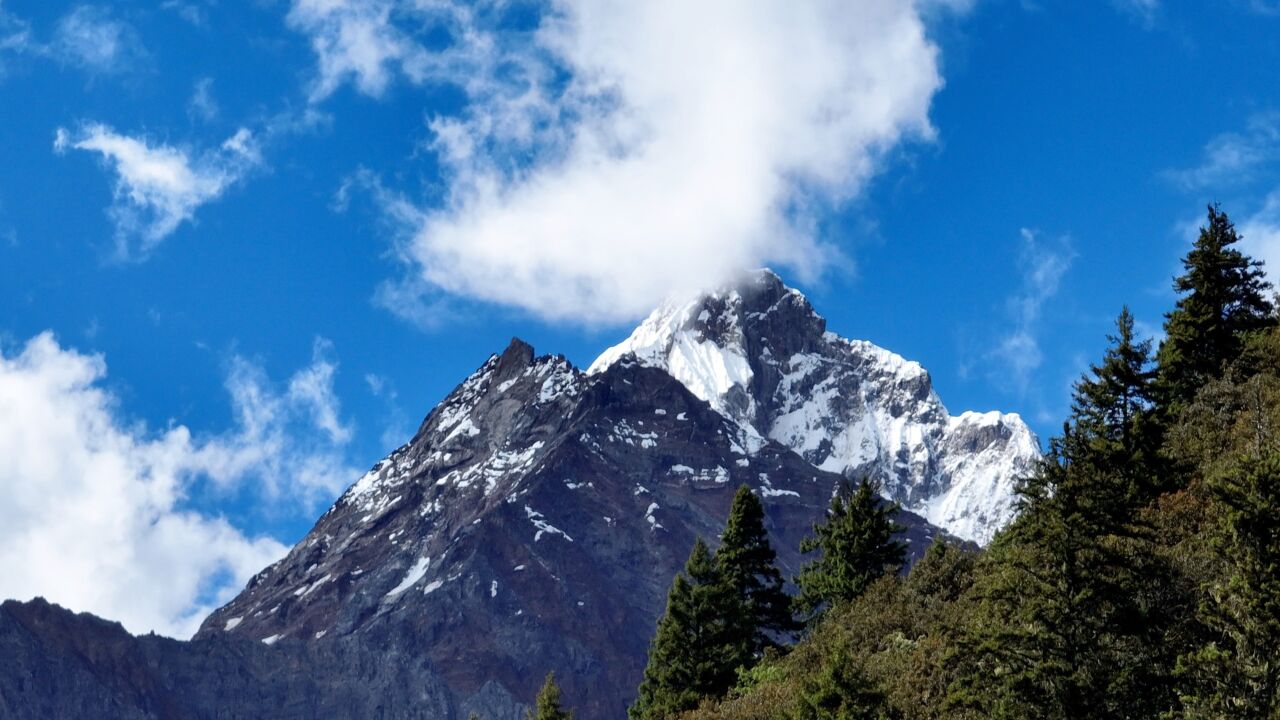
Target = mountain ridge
(534,521)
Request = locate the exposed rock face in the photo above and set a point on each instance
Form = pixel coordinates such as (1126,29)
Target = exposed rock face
(533,523)
(760,355)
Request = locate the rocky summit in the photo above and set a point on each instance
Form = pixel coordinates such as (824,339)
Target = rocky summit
(759,355)
(536,519)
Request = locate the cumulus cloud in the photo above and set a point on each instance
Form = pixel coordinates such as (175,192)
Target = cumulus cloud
(1018,354)
(91,38)
(621,151)
(94,514)
(158,187)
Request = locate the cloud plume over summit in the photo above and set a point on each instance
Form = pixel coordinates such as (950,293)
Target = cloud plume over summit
(622,151)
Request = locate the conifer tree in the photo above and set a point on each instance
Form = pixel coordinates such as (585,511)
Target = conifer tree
(1223,298)
(547,706)
(1112,412)
(747,565)
(857,547)
(1237,674)
(693,655)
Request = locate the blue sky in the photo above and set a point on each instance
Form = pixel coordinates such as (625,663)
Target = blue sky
(242,238)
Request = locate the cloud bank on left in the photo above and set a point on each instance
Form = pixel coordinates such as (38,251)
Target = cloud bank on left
(95,512)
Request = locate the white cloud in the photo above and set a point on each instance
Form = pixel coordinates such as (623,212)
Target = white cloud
(1260,235)
(1233,158)
(1018,354)
(622,151)
(158,186)
(94,513)
(90,38)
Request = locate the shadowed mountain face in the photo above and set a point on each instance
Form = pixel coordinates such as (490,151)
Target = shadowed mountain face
(56,664)
(535,522)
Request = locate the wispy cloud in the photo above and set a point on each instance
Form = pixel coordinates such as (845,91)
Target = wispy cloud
(620,152)
(1017,354)
(203,106)
(95,515)
(356,40)
(158,186)
(1234,158)
(1145,12)
(87,37)
(193,11)
(15,36)
(397,428)
(91,38)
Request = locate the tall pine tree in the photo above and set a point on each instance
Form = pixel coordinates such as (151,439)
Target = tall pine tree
(1062,631)
(693,655)
(1223,297)
(747,565)
(547,705)
(856,545)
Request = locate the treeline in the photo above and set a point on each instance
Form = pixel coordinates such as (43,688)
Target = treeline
(1141,578)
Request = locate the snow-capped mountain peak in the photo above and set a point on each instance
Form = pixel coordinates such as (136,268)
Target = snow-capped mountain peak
(760,355)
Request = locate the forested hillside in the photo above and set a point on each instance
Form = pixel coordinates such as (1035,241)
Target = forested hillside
(1141,578)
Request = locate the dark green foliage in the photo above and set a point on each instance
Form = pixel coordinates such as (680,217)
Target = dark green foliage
(841,692)
(1223,298)
(747,565)
(547,706)
(693,655)
(1051,593)
(857,546)
(1237,674)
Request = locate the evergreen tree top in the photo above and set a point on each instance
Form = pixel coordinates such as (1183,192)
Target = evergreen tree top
(547,706)
(1222,299)
(857,544)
